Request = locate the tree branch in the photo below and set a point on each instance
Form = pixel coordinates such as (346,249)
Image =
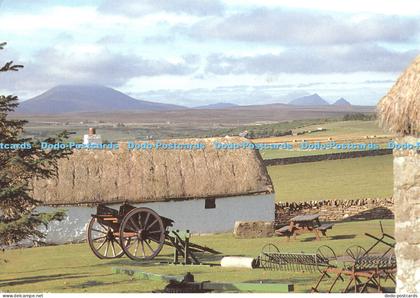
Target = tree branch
(9,66)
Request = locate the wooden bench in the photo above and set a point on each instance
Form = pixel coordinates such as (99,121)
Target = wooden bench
(325,226)
(283,231)
(304,224)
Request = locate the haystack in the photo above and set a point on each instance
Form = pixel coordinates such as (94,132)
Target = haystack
(399,110)
(152,175)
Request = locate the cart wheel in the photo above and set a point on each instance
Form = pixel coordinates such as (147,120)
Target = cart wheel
(325,257)
(269,248)
(103,241)
(355,252)
(142,234)
(266,259)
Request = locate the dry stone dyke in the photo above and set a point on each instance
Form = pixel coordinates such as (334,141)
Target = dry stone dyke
(337,210)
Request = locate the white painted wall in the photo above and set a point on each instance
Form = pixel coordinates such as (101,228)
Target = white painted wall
(189,214)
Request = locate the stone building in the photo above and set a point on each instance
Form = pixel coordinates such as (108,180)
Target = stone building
(205,190)
(399,112)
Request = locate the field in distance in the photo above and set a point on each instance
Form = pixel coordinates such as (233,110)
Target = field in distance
(334,131)
(274,118)
(366,177)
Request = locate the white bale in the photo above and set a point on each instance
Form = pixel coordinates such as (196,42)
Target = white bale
(238,262)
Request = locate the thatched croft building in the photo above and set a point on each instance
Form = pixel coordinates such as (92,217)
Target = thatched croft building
(204,190)
(399,112)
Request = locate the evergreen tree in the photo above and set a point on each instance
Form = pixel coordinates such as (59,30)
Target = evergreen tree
(19,165)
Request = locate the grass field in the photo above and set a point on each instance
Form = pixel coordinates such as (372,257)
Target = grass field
(357,132)
(356,128)
(334,179)
(73,267)
(273,154)
(336,129)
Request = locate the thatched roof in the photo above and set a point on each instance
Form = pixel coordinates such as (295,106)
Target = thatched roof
(136,176)
(399,110)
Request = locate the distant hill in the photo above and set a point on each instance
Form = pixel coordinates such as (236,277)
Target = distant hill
(87,98)
(342,102)
(310,100)
(219,105)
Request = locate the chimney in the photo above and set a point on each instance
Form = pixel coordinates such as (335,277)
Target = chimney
(92,137)
(92,131)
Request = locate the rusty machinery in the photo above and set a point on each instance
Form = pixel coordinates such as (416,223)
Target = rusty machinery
(271,258)
(363,270)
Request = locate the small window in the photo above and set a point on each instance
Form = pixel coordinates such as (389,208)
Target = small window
(210,203)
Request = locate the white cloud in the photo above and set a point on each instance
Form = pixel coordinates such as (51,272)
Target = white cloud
(400,7)
(291,27)
(314,60)
(145,7)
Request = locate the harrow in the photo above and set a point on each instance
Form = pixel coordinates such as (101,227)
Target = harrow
(363,270)
(272,259)
(366,272)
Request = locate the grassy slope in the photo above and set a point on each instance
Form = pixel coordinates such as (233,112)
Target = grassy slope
(340,131)
(334,179)
(73,268)
(349,128)
(273,154)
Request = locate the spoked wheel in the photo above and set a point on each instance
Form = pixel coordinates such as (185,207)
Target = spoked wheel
(355,252)
(266,258)
(142,234)
(270,248)
(103,240)
(326,257)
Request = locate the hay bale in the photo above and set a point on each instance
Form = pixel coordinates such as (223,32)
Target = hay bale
(137,176)
(399,110)
(253,229)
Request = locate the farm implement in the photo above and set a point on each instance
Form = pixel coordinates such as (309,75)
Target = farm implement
(272,259)
(140,234)
(186,284)
(360,269)
(364,271)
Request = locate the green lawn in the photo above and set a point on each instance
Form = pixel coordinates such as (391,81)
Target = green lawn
(333,179)
(273,154)
(338,131)
(73,268)
(345,128)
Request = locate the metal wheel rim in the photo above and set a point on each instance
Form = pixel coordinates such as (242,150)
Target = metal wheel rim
(150,234)
(109,246)
(355,252)
(269,248)
(327,253)
(265,252)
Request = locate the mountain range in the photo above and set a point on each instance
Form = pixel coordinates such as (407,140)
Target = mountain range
(310,100)
(95,98)
(342,102)
(87,98)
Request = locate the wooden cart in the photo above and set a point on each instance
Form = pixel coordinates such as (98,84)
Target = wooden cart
(140,233)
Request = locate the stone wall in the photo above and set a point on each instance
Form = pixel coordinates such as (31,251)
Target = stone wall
(329,210)
(337,210)
(330,156)
(407,216)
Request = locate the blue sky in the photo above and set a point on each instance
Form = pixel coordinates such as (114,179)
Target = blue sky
(197,52)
